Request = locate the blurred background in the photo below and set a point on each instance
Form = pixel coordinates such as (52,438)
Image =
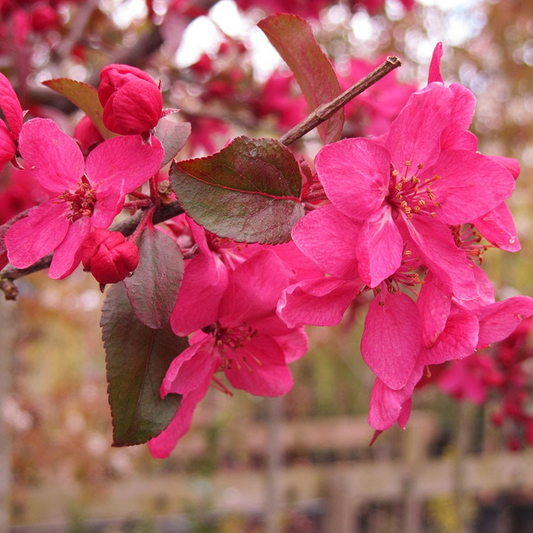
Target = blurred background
(300,464)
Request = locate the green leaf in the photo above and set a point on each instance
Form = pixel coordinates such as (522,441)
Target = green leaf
(293,38)
(85,97)
(153,288)
(249,191)
(137,359)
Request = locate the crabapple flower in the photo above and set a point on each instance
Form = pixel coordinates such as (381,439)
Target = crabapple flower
(131,99)
(86,195)
(10,129)
(108,256)
(248,343)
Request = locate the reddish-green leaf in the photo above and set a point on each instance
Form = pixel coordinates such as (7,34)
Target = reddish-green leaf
(293,38)
(153,288)
(137,359)
(249,191)
(83,96)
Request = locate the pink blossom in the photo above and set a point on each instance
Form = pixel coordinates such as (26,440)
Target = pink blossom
(87,195)
(247,342)
(412,186)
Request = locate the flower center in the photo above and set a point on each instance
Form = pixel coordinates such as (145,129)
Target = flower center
(408,193)
(231,343)
(82,200)
(469,240)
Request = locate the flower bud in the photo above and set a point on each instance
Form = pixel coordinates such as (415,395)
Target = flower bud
(131,99)
(87,134)
(108,256)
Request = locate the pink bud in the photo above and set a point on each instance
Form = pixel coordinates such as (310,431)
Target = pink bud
(131,99)
(108,256)
(87,134)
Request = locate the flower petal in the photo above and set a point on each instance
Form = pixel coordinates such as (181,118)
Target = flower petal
(191,368)
(380,247)
(124,163)
(204,282)
(499,320)
(415,135)
(388,405)
(458,340)
(497,226)
(355,174)
(254,289)
(392,338)
(471,185)
(259,367)
(318,302)
(67,255)
(10,105)
(161,446)
(329,238)
(35,236)
(55,160)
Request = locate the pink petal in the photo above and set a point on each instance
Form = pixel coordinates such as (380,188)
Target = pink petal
(127,161)
(329,238)
(434,67)
(67,255)
(441,255)
(191,368)
(485,288)
(204,282)
(471,185)
(10,105)
(320,302)
(456,136)
(35,236)
(259,367)
(497,226)
(7,146)
(512,165)
(415,135)
(388,406)
(294,344)
(499,320)
(434,304)
(161,446)
(301,265)
(254,289)
(380,247)
(108,205)
(392,338)
(458,340)
(355,174)
(55,160)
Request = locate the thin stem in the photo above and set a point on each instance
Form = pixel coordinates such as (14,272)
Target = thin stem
(323,112)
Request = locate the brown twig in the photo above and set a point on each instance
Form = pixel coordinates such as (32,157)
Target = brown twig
(323,112)
(166,212)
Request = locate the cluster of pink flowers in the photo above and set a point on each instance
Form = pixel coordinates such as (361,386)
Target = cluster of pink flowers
(401,219)
(404,221)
